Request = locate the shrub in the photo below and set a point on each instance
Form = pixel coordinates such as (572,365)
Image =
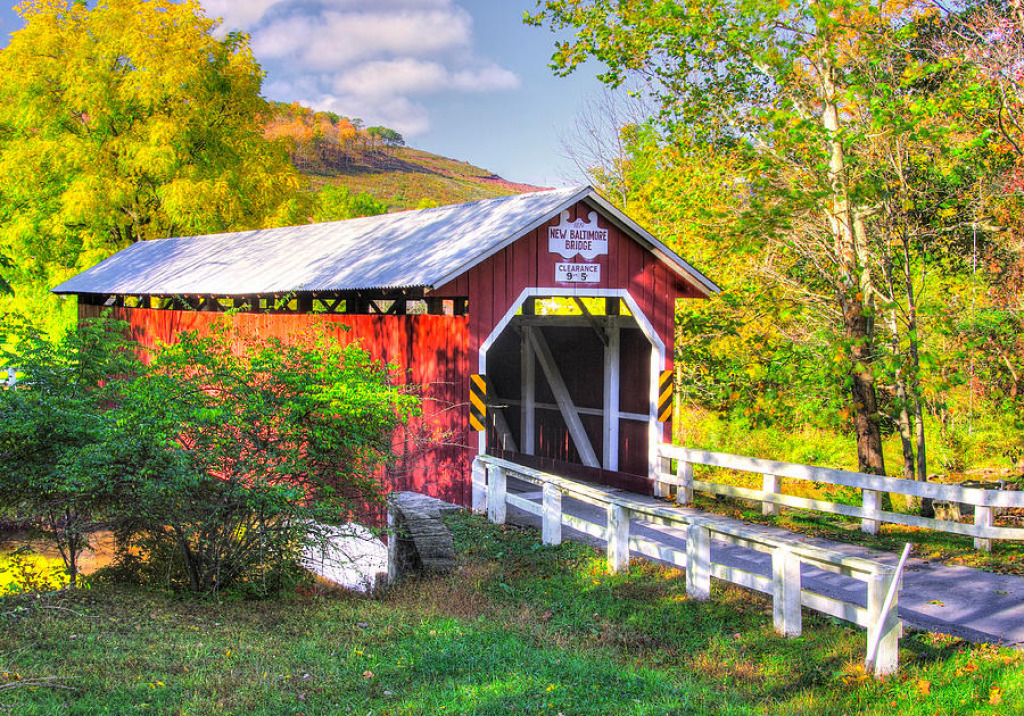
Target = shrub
(233,453)
(53,414)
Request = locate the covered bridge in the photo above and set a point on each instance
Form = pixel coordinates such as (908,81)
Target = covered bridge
(565,305)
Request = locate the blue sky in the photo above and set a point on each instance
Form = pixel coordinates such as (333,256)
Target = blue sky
(462,78)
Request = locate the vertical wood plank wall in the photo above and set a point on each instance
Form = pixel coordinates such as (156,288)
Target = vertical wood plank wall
(429,351)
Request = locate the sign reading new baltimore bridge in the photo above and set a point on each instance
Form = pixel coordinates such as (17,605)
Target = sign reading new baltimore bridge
(578,238)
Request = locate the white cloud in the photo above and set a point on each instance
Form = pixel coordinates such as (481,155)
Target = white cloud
(333,40)
(238,14)
(365,58)
(412,76)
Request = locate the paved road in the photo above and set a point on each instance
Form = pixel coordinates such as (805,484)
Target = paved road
(960,601)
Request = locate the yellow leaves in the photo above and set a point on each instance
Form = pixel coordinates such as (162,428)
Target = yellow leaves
(145,95)
(923,687)
(995,696)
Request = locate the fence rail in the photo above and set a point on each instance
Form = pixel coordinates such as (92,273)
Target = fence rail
(872,486)
(884,629)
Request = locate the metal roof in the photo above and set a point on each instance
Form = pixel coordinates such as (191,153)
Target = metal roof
(425,248)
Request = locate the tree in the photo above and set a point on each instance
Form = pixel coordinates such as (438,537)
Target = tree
(334,203)
(50,418)
(232,453)
(5,264)
(126,121)
(781,85)
(386,136)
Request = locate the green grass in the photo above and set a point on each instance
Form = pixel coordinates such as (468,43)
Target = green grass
(518,628)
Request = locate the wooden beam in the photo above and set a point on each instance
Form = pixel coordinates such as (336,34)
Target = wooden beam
(592,321)
(598,412)
(528,393)
(508,442)
(612,371)
(572,418)
(575,321)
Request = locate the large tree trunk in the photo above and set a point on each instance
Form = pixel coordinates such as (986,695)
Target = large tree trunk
(853,301)
(866,417)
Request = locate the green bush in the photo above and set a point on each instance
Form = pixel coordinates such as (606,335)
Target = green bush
(216,464)
(234,453)
(50,417)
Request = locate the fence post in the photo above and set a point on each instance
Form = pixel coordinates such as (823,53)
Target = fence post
(887,658)
(982,518)
(786,592)
(770,483)
(496,507)
(698,562)
(479,487)
(392,543)
(618,537)
(662,489)
(551,507)
(870,503)
(684,482)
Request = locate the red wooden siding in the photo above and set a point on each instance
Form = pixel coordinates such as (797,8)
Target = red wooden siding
(428,351)
(440,352)
(495,284)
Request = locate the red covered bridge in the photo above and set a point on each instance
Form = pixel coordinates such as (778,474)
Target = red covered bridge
(563,302)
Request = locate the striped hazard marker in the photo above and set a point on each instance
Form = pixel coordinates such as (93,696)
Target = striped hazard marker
(478,402)
(665,391)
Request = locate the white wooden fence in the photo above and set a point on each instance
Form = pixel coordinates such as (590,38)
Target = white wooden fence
(884,629)
(871,486)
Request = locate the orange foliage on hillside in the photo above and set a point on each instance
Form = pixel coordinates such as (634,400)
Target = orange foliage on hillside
(320,141)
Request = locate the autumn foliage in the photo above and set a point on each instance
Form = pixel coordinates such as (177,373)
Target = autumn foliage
(321,142)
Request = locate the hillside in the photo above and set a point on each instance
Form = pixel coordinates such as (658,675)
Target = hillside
(406,177)
(335,150)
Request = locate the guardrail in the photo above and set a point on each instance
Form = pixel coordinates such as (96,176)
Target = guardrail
(872,486)
(884,629)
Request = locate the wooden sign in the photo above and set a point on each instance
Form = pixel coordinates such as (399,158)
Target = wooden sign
(578,273)
(578,238)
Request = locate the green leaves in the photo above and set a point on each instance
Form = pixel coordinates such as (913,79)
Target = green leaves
(255,444)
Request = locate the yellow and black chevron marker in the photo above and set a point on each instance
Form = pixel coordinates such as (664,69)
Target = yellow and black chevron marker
(665,390)
(477,402)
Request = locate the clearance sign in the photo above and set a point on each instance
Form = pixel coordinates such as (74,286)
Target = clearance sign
(584,239)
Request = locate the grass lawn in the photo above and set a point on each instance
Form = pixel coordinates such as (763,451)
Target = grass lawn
(518,628)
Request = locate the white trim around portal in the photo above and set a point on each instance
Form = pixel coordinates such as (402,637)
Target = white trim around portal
(656,430)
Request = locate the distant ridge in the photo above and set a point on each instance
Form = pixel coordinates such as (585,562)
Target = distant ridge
(335,150)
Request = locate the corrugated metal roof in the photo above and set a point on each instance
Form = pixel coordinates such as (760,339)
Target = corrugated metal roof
(424,248)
